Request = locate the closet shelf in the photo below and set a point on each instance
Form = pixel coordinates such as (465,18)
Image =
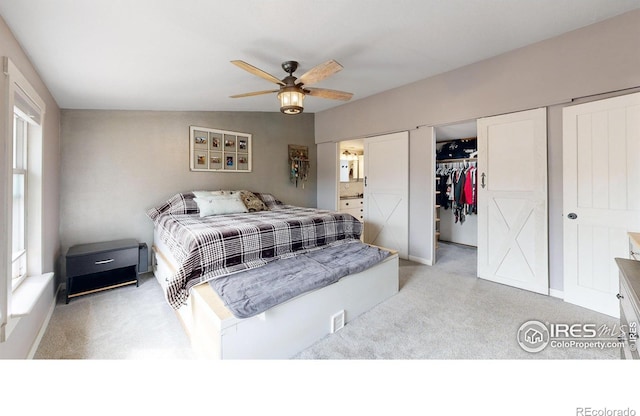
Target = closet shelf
(463,139)
(466,159)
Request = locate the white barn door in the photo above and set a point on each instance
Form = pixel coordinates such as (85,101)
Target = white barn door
(601,197)
(386,192)
(512,200)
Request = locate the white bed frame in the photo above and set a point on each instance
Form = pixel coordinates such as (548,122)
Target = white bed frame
(286,329)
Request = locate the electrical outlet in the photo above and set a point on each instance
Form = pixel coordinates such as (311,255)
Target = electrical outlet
(337,321)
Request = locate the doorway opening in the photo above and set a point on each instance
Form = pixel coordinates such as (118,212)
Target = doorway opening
(510,197)
(351,178)
(456,219)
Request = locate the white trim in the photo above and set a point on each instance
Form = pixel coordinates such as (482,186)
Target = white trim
(25,298)
(421,260)
(43,328)
(16,85)
(556,293)
(27,294)
(24,116)
(17,281)
(23,85)
(16,256)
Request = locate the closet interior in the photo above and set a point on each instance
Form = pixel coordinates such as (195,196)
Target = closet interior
(456,182)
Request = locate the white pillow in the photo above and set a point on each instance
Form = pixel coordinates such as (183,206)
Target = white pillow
(205,194)
(220,204)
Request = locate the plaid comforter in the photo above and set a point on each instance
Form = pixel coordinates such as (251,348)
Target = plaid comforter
(220,245)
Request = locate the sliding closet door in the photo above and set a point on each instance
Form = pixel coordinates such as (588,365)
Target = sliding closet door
(512,200)
(386,192)
(601,197)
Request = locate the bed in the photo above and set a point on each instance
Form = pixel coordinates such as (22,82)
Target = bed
(265,281)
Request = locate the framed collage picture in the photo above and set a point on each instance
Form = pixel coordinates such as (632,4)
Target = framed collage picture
(217,150)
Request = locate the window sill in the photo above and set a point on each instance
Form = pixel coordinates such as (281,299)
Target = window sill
(25,297)
(15,283)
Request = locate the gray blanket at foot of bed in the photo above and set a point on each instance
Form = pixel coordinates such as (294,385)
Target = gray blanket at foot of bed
(254,291)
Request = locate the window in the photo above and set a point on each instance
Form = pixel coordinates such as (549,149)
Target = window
(25,187)
(21,193)
(19,210)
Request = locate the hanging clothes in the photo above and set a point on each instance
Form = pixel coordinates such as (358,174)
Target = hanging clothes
(458,183)
(470,197)
(470,193)
(458,189)
(444,188)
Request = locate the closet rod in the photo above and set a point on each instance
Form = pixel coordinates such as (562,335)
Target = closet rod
(468,159)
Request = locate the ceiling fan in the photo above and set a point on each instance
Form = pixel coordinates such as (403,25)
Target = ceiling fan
(293,90)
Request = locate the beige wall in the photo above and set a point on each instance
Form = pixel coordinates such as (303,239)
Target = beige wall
(593,60)
(598,58)
(25,334)
(118,164)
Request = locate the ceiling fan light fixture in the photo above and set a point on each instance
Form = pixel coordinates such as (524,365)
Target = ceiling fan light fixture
(291,100)
(291,91)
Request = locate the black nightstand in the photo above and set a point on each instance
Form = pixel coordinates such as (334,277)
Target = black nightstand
(101,266)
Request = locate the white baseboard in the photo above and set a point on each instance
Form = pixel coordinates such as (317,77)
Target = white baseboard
(421,260)
(45,324)
(556,293)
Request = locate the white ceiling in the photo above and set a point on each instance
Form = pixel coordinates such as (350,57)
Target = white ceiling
(174,55)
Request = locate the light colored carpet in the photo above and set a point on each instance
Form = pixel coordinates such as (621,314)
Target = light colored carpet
(441,312)
(445,312)
(124,323)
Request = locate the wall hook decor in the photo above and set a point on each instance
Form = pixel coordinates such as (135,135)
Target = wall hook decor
(298,164)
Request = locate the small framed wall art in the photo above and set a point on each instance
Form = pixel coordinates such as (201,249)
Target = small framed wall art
(215,150)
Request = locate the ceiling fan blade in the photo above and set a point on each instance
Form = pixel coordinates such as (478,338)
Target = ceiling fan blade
(331,94)
(257,71)
(320,72)
(251,94)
